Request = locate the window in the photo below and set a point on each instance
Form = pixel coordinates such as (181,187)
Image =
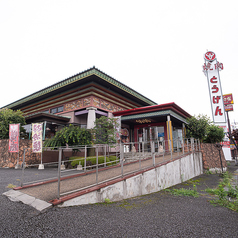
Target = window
(60,109)
(57,109)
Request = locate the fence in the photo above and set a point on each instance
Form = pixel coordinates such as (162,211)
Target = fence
(81,167)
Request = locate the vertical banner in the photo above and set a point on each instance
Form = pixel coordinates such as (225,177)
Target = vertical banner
(14,131)
(211,69)
(36,137)
(118,128)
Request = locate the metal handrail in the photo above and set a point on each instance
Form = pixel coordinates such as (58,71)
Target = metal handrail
(141,155)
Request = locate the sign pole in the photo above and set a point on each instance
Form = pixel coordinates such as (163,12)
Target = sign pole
(18,164)
(211,69)
(229,130)
(228,103)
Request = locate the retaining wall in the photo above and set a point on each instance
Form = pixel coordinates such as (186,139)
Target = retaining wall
(151,181)
(211,158)
(10,159)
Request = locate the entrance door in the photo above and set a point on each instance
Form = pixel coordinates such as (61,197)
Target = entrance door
(147,135)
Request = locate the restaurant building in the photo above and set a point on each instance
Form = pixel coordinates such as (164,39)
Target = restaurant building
(82,98)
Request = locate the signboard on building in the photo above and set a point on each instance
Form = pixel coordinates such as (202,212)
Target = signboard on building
(14,131)
(211,69)
(37,137)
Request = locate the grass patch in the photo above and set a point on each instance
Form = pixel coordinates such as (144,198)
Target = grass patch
(226,193)
(11,186)
(107,201)
(127,205)
(192,182)
(130,204)
(184,192)
(207,171)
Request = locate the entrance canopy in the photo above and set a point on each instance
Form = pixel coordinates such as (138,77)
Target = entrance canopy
(44,116)
(159,123)
(153,114)
(51,123)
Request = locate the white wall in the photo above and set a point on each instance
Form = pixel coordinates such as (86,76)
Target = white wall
(151,181)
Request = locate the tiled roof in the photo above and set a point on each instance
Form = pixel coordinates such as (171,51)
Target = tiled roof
(154,108)
(46,114)
(151,114)
(78,77)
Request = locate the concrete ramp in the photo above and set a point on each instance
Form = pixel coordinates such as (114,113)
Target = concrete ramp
(143,182)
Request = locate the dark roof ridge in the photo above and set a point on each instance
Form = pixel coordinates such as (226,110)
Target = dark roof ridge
(171,105)
(78,76)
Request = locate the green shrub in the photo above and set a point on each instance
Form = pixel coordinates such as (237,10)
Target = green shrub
(71,135)
(111,160)
(75,160)
(8,116)
(100,160)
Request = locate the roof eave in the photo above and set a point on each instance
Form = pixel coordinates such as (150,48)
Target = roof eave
(75,78)
(171,106)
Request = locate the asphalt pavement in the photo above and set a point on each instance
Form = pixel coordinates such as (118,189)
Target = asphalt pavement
(155,215)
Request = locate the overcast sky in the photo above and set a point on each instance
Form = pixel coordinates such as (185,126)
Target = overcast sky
(154,47)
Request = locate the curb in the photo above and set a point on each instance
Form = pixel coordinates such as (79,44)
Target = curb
(17,196)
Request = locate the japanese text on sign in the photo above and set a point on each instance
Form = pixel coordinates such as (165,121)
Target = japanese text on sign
(211,70)
(36,137)
(207,67)
(14,137)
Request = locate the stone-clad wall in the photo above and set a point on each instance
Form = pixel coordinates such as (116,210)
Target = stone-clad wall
(48,156)
(10,159)
(210,155)
(211,158)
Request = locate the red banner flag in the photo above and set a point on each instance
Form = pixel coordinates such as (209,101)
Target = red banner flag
(14,130)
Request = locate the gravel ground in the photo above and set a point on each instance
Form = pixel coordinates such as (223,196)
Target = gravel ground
(155,215)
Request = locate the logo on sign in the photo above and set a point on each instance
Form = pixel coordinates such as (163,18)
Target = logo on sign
(210,56)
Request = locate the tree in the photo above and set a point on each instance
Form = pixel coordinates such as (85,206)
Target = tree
(71,135)
(197,127)
(202,128)
(215,134)
(8,116)
(105,130)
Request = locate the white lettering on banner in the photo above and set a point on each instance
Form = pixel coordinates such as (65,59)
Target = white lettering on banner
(211,69)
